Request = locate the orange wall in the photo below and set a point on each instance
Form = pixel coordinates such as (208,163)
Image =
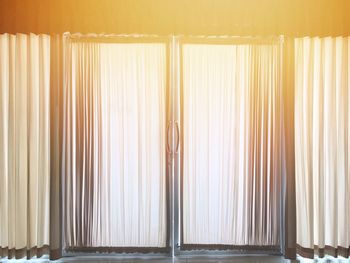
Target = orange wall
(233,17)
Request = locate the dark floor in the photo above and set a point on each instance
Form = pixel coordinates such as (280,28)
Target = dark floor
(197,259)
(237,259)
(182,259)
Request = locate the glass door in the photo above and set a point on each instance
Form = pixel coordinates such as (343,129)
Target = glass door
(230,160)
(115,156)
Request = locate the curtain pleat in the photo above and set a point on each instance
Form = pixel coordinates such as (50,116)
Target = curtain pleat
(56,90)
(25,144)
(232,144)
(321,145)
(98,129)
(113,155)
(288,163)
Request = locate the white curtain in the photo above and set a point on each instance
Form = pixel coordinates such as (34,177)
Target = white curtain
(24,142)
(232,144)
(322,137)
(114,145)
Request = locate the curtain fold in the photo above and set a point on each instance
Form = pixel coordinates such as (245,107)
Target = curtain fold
(113,155)
(288,183)
(56,90)
(24,144)
(322,137)
(232,156)
(98,128)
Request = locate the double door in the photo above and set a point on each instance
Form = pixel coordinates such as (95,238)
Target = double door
(173,145)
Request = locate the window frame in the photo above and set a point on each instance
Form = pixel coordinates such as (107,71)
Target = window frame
(135,251)
(188,249)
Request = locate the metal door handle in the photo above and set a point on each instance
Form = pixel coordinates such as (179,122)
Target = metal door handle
(168,150)
(177,137)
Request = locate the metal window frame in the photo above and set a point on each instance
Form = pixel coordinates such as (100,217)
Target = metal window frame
(174,116)
(126,251)
(186,249)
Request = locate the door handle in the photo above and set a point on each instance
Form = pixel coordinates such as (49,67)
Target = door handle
(177,137)
(168,150)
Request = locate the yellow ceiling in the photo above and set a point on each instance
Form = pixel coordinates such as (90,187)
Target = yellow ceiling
(209,17)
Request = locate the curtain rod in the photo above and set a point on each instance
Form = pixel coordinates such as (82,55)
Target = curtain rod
(180,36)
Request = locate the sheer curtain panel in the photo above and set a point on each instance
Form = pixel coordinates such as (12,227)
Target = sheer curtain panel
(56,90)
(114,156)
(322,137)
(232,148)
(24,144)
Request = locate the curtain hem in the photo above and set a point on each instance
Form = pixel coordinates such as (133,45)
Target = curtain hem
(228,247)
(321,252)
(143,250)
(24,252)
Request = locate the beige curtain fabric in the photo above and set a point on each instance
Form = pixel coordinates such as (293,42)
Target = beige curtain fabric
(24,143)
(322,137)
(114,145)
(56,91)
(232,156)
(289,161)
